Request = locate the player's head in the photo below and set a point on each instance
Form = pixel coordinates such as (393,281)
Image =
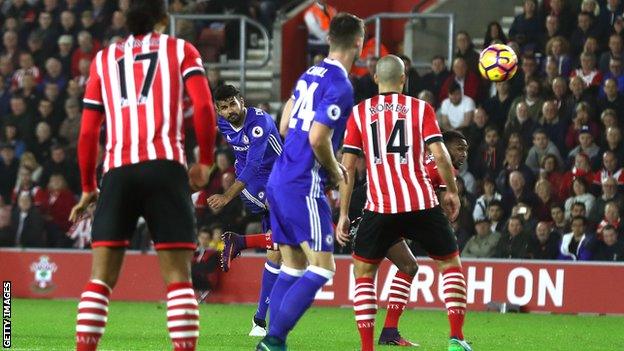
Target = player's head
(390,74)
(346,33)
(143,15)
(457,145)
(230,103)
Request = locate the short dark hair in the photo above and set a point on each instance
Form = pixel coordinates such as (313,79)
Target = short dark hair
(495,203)
(578,203)
(540,131)
(453,87)
(344,28)
(609,227)
(204,229)
(438,57)
(142,15)
(225,92)
(491,127)
(452,135)
(556,205)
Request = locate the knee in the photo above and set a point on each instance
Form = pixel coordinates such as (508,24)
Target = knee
(274,257)
(453,262)
(364,270)
(409,268)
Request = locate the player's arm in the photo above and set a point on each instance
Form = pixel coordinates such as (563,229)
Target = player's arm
(433,138)
(352,148)
(92,118)
(255,154)
(285,120)
(204,114)
(320,141)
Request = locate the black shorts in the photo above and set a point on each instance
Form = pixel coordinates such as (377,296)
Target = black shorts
(378,232)
(156,190)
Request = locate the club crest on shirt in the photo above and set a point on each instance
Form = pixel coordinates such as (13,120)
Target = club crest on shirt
(333,112)
(245,139)
(329,239)
(257,132)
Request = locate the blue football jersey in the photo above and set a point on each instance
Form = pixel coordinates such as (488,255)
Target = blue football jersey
(324,95)
(256,144)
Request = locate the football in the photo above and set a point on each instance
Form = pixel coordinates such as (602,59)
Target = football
(498,62)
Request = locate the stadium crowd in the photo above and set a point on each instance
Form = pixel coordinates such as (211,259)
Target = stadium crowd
(543,179)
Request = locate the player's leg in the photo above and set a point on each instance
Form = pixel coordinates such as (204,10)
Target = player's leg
(402,257)
(94,300)
(168,211)
(436,237)
(115,219)
(182,306)
(305,226)
(374,237)
(269,276)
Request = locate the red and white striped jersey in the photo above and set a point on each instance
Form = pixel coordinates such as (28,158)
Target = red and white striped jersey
(434,175)
(139,84)
(392,130)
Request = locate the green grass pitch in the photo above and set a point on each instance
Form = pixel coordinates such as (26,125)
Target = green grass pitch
(45,325)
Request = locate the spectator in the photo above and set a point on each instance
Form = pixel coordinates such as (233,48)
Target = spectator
(611,97)
(365,86)
(514,242)
(117,28)
(498,106)
(564,14)
(27,226)
(59,201)
(70,128)
(608,194)
(435,79)
(90,25)
(496,216)
(611,217)
(54,74)
(68,25)
(521,123)
(586,145)
(529,68)
(616,51)
(476,129)
(610,169)
(553,126)
(542,146)
(544,200)
(224,165)
(43,141)
(610,248)
(27,67)
(214,78)
(552,31)
(580,94)
(581,123)
(563,100)
(608,119)
(65,45)
(526,27)
(483,244)
(102,11)
(35,46)
(531,98)
(8,170)
(544,244)
(59,163)
(494,34)
(614,142)
(585,28)
(513,162)
(428,97)
(317,18)
(576,245)
(29,162)
(86,50)
(467,80)
(29,92)
(517,192)
(558,218)
(588,72)
(368,50)
(550,171)
(457,110)
(21,118)
(412,85)
(12,138)
(5,217)
(205,263)
(489,194)
(10,47)
(580,193)
(465,49)
(47,32)
(558,48)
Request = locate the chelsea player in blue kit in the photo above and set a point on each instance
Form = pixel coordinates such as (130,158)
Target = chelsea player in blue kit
(256,142)
(300,214)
